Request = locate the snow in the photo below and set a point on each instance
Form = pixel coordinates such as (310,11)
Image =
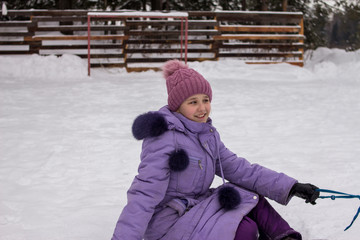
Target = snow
(139,14)
(259,27)
(4,9)
(67,156)
(264,35)
(260,12)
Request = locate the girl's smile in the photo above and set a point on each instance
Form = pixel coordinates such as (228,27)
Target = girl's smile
(196,108)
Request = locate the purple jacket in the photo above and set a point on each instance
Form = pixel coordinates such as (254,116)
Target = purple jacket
(172,200)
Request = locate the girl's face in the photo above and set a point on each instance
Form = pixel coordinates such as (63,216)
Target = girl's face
(196,108)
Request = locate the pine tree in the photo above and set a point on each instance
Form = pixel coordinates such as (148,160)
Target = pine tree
(37,4)
(316,22)
(232,5)
(346,25)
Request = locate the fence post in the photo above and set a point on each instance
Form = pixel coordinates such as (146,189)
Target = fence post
(302,40)
(34,46)
(125,44)
(89,41)
(215,46)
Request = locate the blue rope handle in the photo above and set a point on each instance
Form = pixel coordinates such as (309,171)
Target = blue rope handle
(340,195)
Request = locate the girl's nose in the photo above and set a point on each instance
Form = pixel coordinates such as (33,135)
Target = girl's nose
(201,107)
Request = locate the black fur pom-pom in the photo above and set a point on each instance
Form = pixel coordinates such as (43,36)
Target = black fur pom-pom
(150,124)
(229,198)
(178,160)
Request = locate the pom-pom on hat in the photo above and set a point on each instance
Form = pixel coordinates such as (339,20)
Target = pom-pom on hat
(183,82)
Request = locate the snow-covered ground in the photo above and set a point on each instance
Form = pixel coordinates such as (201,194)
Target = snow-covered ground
(67,155)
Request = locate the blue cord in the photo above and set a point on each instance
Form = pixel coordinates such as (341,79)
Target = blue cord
(342,195)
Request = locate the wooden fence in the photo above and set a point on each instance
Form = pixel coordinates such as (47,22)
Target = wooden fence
(142,43)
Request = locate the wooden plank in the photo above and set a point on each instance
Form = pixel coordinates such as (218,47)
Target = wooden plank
(296,63)
(81,18)
(76,37)
(15,34)
(260,16)
(15,52)
(59,18)
(201,32)
(260,21)
(290,45)
(144,60)
(264,29)
(93,55)
(156,23)
(142,69)
(15,23)
(201,41)
(98,65)
(259,37)
(47,12)
(102,55)
(263,54)
(81,28)
(83,46)
(19,42)
(166,50)
(168,41)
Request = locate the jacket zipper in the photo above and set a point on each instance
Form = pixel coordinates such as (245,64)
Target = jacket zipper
(201,167)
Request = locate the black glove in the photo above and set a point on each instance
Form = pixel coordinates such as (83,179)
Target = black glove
(305,191)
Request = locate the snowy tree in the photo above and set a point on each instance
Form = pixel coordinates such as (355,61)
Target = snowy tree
(317,21)
(346,25)
(232,5)
(37,4)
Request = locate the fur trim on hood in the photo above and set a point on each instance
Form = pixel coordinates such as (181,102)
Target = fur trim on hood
(151,124)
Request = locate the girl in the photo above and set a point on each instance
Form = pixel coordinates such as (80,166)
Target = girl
(171,198)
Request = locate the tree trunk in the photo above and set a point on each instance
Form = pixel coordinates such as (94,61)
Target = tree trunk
(264,5)
(285,5)
(156,5)
(66,4)
(167,5)
(105,4)
(243,5)
(144,5)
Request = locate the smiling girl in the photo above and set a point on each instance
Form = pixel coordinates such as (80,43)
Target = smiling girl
(171,198)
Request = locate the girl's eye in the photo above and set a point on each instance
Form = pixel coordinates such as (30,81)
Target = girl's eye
(193,102)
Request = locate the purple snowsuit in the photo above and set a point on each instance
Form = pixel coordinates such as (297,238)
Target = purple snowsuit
(172,204)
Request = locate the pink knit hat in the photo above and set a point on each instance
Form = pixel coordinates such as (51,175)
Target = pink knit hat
(183,82)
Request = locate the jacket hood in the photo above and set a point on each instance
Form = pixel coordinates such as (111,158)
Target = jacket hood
(155,123)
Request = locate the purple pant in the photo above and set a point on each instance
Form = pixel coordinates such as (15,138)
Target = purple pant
(264,223)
